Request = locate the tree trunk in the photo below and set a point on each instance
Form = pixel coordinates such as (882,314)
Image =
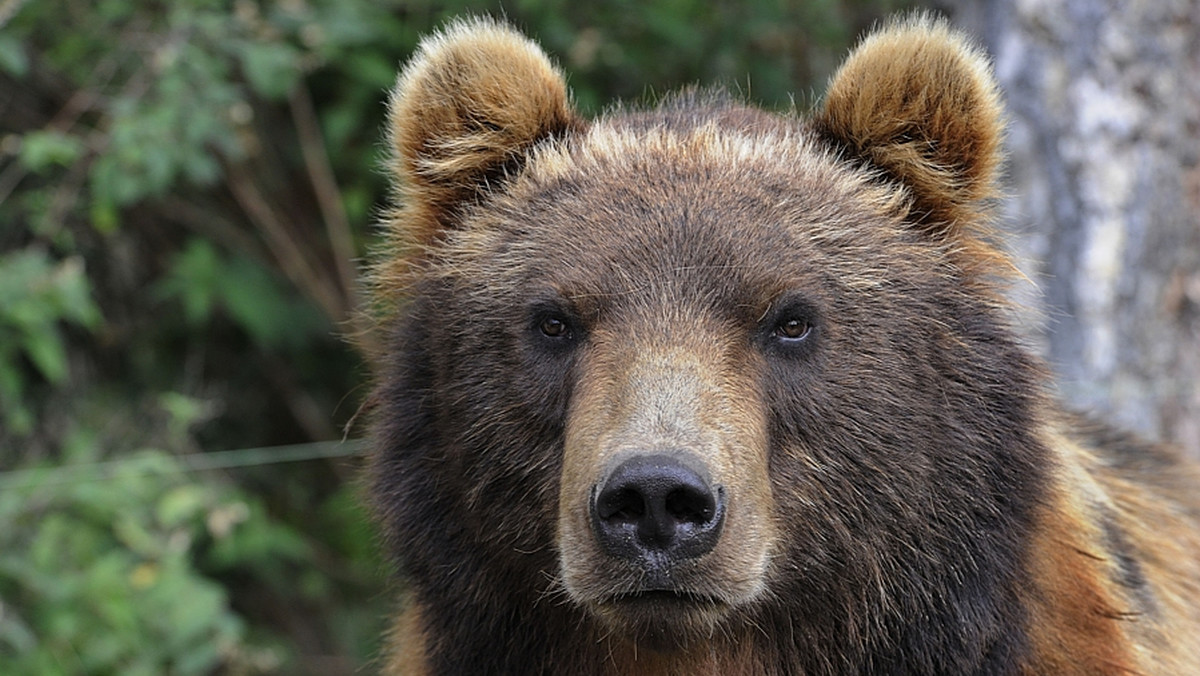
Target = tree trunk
(1104,99)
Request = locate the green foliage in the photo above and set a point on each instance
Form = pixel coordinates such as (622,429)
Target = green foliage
(36,296)
(44,149)
(270,68)
(202,281)
(126,565)
(99,573)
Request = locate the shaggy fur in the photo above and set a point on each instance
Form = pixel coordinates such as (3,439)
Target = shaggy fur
(803,314)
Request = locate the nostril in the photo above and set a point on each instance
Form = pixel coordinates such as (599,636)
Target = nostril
(625,504)
(657,504)
(687,505)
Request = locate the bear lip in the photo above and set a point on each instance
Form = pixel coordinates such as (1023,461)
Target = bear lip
(664,598)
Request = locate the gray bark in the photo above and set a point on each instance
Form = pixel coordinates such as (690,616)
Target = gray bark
(1104,140)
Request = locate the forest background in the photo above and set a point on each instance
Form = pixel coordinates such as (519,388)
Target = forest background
(188,190)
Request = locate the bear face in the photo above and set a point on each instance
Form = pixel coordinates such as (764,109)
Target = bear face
(703,382)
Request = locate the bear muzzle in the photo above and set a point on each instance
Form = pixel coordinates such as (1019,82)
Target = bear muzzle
(665,524)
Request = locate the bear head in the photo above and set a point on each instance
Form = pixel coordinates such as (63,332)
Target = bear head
(701,366)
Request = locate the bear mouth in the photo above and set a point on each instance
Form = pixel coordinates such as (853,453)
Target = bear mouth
(666,598)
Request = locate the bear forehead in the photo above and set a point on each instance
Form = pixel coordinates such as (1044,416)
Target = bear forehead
(703,197)
(703,147)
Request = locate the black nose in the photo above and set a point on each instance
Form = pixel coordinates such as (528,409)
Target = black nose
(656,506)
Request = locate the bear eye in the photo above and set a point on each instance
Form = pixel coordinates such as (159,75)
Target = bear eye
(789,329)
(793,329)
(554,327)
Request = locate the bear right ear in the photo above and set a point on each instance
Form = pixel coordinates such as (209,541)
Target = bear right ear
(465,111)
(918,101)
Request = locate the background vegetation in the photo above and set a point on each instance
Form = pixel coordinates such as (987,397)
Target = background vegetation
(186,189)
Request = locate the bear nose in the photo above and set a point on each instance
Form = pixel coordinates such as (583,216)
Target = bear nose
(655,506)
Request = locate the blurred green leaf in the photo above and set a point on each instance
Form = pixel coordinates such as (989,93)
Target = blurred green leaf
(41,150)
(202,281)
(12,55)
(37,294)
(104,217)
(261,305)
(112,574)
(193,280)
(272,68)
(46,351)
(183,413)
(70,294)
(182,504)
(258,542)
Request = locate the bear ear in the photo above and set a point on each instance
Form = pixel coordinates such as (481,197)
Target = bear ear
(918,101)
(466,110)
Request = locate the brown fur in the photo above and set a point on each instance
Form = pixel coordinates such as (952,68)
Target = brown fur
(898,494)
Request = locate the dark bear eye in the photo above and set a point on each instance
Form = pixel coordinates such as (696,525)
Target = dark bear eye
(793,329)
(554,327)
(790,327)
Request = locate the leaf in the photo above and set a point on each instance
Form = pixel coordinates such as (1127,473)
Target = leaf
(104,215)
(35,294)
(193,280)
(41,150)
(272,68)
(73,294)
(115,181)
(133,531)
(265,308)
(12,56)
(181,504)
(184,412)
(45,349)
(17,415)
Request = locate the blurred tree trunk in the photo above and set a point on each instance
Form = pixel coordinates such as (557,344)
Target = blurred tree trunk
(1104,99)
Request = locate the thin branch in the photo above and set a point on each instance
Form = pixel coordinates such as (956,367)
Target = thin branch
(291,258)
(212,226)
(329,196)
(10,177)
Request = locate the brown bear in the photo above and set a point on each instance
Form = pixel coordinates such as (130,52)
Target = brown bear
(704,389)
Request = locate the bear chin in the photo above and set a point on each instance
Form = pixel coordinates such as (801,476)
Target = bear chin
(662,620)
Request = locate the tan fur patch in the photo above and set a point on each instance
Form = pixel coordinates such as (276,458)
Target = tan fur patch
(1085,621)
(1074,614)
(407,644)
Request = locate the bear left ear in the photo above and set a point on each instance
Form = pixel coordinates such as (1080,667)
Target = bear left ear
(466,111)
(918,101)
